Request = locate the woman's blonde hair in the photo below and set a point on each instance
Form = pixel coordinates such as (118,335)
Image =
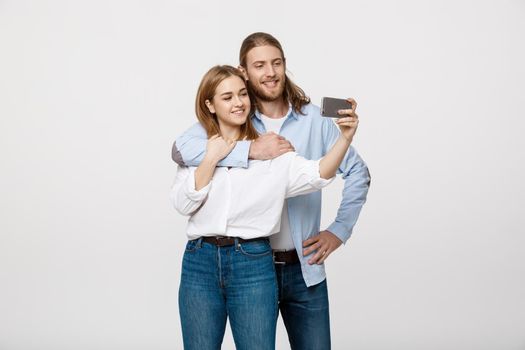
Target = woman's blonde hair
(206,91)
(292,93)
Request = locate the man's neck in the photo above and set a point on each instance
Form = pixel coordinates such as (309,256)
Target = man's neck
(274,109)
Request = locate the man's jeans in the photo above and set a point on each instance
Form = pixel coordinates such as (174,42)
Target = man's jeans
(236,281)
(304,309)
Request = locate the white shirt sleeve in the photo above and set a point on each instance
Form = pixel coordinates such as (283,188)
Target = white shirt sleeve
(304,177)
(183,194)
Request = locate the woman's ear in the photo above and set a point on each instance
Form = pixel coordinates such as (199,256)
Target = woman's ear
(210,106)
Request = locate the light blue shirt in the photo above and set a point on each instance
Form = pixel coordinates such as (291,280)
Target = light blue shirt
(312,136)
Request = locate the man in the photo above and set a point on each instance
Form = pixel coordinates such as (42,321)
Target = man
(299,248)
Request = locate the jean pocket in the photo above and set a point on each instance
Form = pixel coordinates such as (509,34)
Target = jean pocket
(191,246)
(256,248)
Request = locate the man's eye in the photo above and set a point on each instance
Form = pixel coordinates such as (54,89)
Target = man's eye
(277,63)
(259,66)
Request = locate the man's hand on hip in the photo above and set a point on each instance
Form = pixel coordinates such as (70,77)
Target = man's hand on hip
(325,243)
(269,146)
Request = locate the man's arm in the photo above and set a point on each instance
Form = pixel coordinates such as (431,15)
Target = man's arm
(357,181)
(189,148)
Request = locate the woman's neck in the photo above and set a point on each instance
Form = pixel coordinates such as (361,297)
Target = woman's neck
(230,132)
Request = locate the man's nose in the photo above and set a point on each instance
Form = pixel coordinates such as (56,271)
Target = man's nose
(270,71)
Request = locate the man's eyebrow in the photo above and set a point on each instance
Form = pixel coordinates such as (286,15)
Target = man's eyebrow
(271,60)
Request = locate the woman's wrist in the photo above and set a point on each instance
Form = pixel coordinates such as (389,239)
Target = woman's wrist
(210,159)
(347,140)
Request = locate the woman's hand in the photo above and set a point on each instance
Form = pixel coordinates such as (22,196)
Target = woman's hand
(349,121)
(217,148)
(348,126)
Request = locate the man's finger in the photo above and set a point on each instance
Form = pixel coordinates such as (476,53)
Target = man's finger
(280,152)
(311,248)
(316,257)
(309,241)
(324,256)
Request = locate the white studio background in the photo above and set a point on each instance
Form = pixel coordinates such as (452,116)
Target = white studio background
(92,94)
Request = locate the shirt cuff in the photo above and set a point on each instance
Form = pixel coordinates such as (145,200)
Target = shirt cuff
(340,231)
(317,181)
(238,157)
(190,190)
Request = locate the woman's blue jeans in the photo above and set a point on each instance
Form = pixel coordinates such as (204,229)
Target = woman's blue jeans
(236,281)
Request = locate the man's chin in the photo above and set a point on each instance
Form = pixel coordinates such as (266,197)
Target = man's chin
(269,97)
(266,96)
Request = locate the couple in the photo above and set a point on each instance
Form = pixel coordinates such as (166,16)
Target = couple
(253,249)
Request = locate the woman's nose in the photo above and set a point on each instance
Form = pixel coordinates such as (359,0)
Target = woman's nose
(238,101)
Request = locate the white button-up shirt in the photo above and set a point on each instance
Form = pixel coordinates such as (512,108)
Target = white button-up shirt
(244,202)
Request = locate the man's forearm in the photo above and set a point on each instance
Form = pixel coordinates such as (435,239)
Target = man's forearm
(190,148)
(357,183)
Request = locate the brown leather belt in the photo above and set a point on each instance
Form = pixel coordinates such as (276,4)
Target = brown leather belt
(221,241)
(285,257)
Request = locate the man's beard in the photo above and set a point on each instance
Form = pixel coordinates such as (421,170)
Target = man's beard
(261,95)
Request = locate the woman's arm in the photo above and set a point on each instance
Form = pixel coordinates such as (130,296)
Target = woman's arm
(191,187)
(306,176)
(216,149)
(330,162)
(183,195)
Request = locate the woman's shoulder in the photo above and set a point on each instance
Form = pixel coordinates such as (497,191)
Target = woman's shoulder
(286,158)
(281,161)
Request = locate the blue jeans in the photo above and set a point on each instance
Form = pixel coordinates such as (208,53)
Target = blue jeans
(304,309)
(236,281)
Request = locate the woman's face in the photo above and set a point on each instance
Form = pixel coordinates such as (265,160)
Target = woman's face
(231,102)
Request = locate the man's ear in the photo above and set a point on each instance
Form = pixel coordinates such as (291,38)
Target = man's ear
(210,106)
(241,68)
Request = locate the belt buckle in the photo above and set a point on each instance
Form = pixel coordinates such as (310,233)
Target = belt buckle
(277,262)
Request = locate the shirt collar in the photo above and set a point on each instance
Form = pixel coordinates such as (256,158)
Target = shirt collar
(290,113)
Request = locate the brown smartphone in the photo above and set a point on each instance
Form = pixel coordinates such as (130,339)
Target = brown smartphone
(330,106)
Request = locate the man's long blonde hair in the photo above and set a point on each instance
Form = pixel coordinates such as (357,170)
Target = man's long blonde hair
(292,93)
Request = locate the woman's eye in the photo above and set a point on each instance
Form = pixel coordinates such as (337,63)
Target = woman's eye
(227,98)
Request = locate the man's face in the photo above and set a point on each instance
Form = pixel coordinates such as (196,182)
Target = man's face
(266,72)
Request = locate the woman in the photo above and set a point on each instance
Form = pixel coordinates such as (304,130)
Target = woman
(227,268)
